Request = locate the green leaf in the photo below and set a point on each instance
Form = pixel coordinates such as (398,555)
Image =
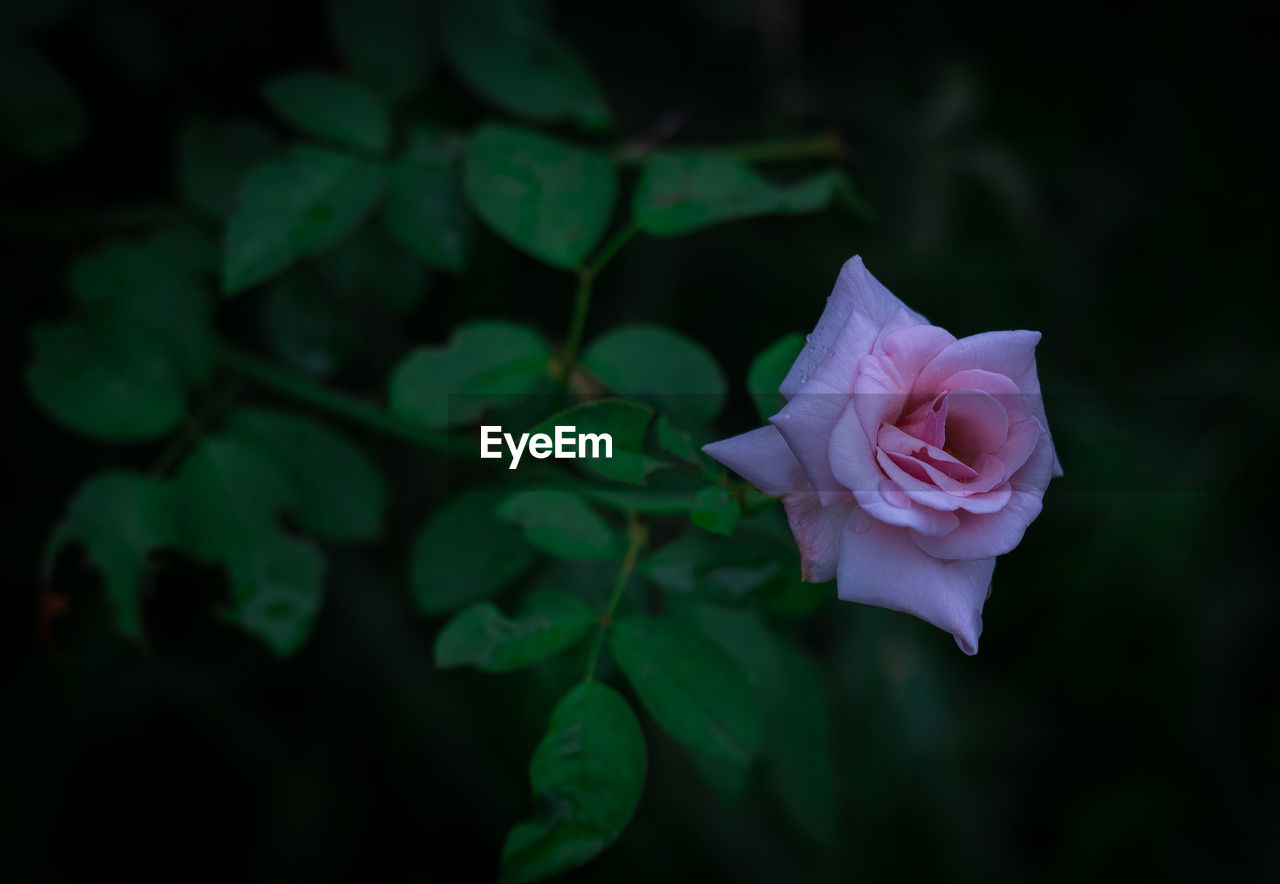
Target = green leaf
(717,569)
(427,213)
(716,510)
(464,553)
(41,114)
(214,157)
(141,295)
(101,391)
(682,192)
(561,523)
(690,686)
(121,372)
(587,774)
(297,205)
(506,51)
(340,494)
(480,636)
(120,518)
(386,43)
(332,107)
(767,371)
(659,366)
(230,497)
(369,266)
(485,364)
(546,196)
(800,757)
(626,423)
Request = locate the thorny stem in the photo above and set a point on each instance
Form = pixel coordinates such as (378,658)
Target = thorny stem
(637,534)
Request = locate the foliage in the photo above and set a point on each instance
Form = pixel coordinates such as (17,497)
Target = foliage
(329,212)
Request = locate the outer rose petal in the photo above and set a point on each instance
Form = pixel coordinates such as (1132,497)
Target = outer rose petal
(856,292)
(817,531)
(879,565)
(763,459)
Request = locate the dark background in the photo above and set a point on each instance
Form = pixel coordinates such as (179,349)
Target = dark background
(1107,181)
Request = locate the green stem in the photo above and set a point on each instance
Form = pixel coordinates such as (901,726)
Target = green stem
(293,385)
(193,428)
(637,534)
(582,299)
(826,145)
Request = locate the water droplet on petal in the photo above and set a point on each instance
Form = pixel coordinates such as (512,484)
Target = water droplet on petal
(860,522)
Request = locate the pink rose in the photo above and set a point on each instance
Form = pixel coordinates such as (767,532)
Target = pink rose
(906,460)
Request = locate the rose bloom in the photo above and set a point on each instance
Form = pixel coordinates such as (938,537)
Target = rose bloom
(907,460)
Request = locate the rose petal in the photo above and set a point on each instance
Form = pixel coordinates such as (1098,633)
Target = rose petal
(976,422)
(856,292)
(886,377)
(817,532)
(879,565)
(981,535)
(883,507)
(928,423)
(1010,353)
(763,459)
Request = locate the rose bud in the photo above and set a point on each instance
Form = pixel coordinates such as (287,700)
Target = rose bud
(906,460)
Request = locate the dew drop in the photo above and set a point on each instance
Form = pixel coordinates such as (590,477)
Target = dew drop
(860,522)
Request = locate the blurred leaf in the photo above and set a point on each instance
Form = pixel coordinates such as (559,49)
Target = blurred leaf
(369,266)
(800,750)
(332,107)
(121,372)
(481,636)
(306,327)
(561,523)
(506,51)
(464,553)
(187,249)
(657,365)
(625,422)
(588,774)
(143,295)
(296,205)
(547,196)
(486,363)
(41,115)
(767,371)
(96,390)
(682,192)
(230,494)
(695,691)
(340,494)
(642,500)
(427,212)
(717,569)
(678,442)
(386,43)
(716,510)
(120,518)
(213,159)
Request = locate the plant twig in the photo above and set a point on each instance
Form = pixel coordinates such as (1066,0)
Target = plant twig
(637,533)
